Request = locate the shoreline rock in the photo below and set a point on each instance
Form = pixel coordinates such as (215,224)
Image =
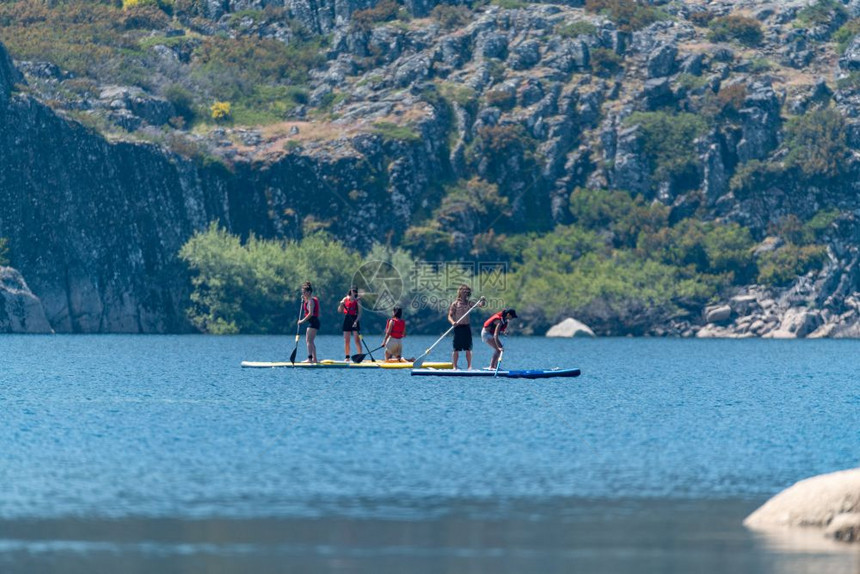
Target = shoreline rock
(827,504)
(570,328)
(20,310)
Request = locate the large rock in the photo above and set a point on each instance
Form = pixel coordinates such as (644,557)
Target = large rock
(797,323)
(20,310)
(570,327)
(828,503)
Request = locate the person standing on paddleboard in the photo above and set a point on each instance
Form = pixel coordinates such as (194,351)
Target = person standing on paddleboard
(459,317)
(311,312)
(395,330)
(493,329)
(351,315)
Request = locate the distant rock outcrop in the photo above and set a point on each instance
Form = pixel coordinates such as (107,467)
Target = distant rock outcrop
(828,503)
(20,310)
(570,327)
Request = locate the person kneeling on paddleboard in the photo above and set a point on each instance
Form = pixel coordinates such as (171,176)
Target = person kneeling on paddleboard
(311,312)
(395,330)
(492,331)
(351,310)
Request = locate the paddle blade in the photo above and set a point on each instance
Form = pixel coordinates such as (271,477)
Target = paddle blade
(293,356)
(358,358)
(416,364)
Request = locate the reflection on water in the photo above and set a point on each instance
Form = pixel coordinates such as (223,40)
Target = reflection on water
(560,535)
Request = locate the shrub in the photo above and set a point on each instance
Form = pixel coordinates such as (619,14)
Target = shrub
(510,4)
(617,211)
(384,11)
(575,29)
(701,19)
(822,13)
(746,31)
(755,177)
(451,17)
(182,101)
(503,99)
(846,34)
(221,111)
(629,15)
(605,63)
(817,144)
(668,142)
(396,132)
(785,264)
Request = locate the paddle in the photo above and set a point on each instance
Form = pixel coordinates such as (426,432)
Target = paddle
(369,352)
(359,357)
(499,363)
(298,329)
(416,364)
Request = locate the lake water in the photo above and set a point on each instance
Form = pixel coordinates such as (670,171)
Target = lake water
(137,454)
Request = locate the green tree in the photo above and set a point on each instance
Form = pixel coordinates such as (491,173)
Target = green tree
(668,142)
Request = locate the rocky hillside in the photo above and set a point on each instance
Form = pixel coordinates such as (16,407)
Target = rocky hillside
(725,111)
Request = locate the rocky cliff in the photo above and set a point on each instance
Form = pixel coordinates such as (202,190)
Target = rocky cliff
(537,99)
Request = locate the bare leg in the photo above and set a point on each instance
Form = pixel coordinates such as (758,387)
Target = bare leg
(469,360)
(357,342)
(346,343)
(455,356)
(312,348)
(496,353)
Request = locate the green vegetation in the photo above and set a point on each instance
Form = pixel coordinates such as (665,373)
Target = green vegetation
(396,132)
(821,13)
(744,30)
(4,251)
(667,140)
(629,15)
(503,99)
(253,287)
(509,4)
(846,34)
(451,17)
(605,63)
(575,29)
(817,144)
(384,11)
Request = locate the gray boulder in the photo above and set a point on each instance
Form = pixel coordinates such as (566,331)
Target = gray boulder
(850,60)
(570,327)
(661,62)
(20,310)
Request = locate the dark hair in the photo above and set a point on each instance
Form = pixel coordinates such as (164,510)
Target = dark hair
(463,288)
(352,290)
(306,286)
(397,312)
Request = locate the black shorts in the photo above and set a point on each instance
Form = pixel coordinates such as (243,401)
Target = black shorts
(463,338)
(348,320)
(314,323)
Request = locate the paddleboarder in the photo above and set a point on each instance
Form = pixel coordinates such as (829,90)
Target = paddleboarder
(395,330)
(492,331)
(351,310)
(458,316)
(311,311)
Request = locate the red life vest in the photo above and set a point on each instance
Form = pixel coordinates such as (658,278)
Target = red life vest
(350,306)
(316,303)
(489,324)
(397,326)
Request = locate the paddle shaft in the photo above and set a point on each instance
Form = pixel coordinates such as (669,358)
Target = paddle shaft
(298,336)
(417,363)
(499,362)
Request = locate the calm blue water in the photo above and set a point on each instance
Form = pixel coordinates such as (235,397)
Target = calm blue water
(119,430)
